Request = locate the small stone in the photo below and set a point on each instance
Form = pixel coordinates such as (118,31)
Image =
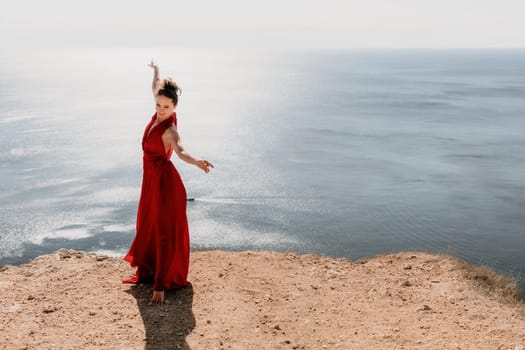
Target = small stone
(208,321)
(221,274)
(101,258)
(287,341)
(92,313)
(277,327)
(30,297)
(406,283)
(426,308)
(407,267)
(49,309)
(63,254)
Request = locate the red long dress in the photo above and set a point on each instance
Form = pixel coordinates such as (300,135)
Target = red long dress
(161,247)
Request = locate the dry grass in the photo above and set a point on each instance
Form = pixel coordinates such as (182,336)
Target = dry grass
(491,282)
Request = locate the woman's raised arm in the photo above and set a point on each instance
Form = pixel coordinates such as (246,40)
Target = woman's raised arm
(153,65)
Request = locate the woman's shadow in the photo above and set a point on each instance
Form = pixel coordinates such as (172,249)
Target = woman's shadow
(166,325)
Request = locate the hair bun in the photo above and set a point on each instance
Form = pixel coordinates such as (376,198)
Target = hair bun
(170,85)
(168,88)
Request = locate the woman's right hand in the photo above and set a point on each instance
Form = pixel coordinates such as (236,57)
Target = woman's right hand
(153,65)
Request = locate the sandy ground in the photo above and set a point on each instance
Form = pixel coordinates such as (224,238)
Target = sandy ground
(256,300)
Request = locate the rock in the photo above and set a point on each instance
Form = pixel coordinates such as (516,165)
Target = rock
(63,254)
(92,301)
(10,309)
(48,309)
(426,308)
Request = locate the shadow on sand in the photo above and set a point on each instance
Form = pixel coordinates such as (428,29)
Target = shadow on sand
(166,325)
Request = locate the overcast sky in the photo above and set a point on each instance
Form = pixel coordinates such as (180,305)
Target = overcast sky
(268,23)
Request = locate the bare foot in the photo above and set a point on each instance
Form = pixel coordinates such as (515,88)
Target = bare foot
(157,298)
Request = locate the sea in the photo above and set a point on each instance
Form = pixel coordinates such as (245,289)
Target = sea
(344,153)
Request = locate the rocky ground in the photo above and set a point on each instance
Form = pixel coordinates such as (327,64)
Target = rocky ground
(257,300)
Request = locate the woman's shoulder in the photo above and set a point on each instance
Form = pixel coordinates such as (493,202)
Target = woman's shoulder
(170,131)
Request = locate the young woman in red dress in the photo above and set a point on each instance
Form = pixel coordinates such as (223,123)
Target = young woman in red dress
(161,247)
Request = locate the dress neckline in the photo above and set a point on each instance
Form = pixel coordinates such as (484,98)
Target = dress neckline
(152,127)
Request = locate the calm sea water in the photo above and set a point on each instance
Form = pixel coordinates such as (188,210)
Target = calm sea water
(342,153)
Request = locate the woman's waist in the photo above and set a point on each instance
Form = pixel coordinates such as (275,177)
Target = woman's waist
(153,162)
(154,156)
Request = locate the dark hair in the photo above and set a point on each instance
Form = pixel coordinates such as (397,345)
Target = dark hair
(169,88)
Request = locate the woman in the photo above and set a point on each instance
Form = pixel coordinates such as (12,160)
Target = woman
(161,248)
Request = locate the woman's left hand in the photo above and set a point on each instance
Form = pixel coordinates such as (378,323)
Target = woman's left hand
(204,165)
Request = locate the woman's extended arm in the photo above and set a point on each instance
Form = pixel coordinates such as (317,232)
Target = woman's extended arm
(155,75)
(171,138)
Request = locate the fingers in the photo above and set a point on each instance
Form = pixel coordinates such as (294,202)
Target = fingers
(152,64)
(205,166)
